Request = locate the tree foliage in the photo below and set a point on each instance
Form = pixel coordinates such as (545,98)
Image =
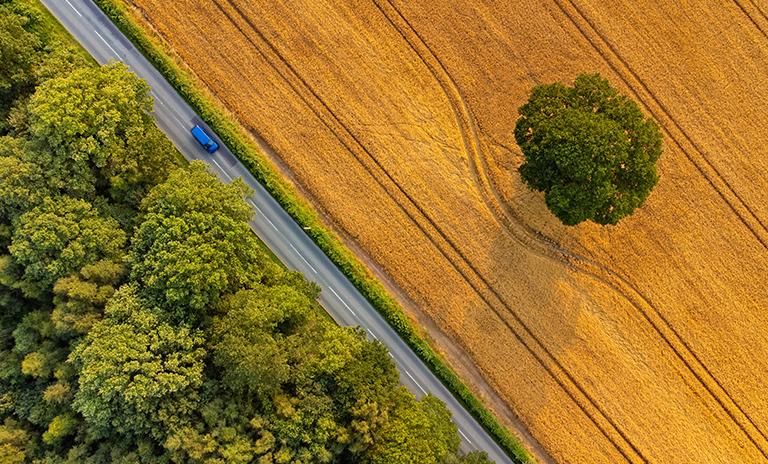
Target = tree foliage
(251,342)
(58,238)
(277,356)
(79,298)
(193,189)
(19,52)
(23,184)
(93,130)
(138,374)
(59,61)
(417,432)
(589,149)
(190,248)
(13,441)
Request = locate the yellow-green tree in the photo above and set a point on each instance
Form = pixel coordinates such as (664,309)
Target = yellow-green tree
(58,238)
(417,432)
(23,184)
(93,131)
(193,245)
(79,298)
(19,52)
(138,374)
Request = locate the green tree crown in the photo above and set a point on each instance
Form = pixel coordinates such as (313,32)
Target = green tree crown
(92,128)
(589,149)
(194,245)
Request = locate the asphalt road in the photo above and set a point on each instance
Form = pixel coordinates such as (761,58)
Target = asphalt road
(85,21)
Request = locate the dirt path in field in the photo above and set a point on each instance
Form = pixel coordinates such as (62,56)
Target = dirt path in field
(453,229)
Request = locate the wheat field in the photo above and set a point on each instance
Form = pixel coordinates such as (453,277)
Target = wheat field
(642,342)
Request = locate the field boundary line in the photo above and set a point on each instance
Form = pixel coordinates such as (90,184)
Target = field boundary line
(470,274)
(238,140)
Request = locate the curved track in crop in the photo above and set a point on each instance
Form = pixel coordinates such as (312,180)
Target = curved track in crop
(533,239)
(545,246)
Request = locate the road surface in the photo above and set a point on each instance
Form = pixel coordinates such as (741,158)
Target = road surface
(88,24)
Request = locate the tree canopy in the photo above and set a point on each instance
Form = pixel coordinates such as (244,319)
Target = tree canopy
(59,237)
(251,343)
(79,298)
(137,373)
(23,184)
(19,52)
(589,149)
(93,126)
(193,244)
(417,432)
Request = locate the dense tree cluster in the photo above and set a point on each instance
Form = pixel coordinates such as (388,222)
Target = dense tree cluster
(589,149)
(140,319)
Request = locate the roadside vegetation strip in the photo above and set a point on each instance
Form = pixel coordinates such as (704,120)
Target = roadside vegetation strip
(237,140)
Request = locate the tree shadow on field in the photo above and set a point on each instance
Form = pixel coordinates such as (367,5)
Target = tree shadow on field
(545,316)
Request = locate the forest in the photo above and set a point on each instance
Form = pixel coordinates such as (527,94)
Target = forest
(141,320)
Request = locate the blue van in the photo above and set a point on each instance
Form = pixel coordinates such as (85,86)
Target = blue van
(204,139)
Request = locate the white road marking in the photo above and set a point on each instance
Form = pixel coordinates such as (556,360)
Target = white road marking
(221,169)
(414,381)
(73,7)
(342,301)
(271,223)
(265,216)
(465,437)
(302,257)
(108,45)
(390,355)
(172,114)
(372,335)
(181,123)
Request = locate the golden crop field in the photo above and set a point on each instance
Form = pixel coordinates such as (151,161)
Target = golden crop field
(646,341)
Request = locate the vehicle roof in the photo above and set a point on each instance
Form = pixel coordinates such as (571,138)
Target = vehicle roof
(200,134)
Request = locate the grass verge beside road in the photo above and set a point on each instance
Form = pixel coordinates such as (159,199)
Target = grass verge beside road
(250,155)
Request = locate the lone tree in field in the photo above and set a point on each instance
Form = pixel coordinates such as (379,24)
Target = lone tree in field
(589,149)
